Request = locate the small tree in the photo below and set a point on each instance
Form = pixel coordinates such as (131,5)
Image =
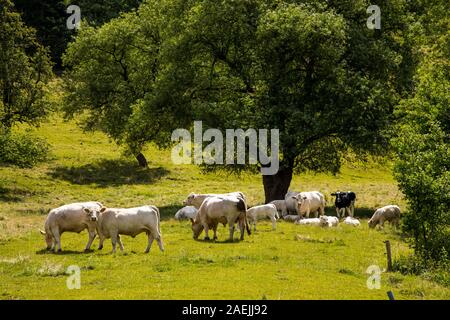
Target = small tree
(24,70)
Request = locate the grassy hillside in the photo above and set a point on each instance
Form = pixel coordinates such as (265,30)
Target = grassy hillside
(293,262)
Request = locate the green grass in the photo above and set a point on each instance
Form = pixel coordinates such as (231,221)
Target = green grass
(293,262)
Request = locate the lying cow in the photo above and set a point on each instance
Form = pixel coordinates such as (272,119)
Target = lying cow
(292,218)
(225,210)
(261,212)
(389,213)
(312,201)
(196,200)
(326,221)
(281,207)
(113,222)
(352,222)
(308,221)
(345,201)
(188,212)
(74,217)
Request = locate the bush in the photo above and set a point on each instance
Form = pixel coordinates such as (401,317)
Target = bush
(22,150)
(436,271)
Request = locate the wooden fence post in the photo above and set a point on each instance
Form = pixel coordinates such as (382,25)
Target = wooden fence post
(390,295)
(389,255)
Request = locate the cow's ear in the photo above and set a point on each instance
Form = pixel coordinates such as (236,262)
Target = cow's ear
(103,209)
(304,198)
(86,210)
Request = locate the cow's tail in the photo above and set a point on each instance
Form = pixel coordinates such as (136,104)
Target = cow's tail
(159,218)
(242,206)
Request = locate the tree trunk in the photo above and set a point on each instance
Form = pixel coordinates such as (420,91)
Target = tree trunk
(141,159)
(277,185)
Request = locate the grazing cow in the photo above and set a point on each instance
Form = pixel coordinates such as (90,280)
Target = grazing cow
(345,201)
(389,213)
(263,211)
(292,217)
(281,207)
(312,201)
(196,200)
(326,221)
(308,221)
(220,209)
(113,222)
(188,212)
(74,217)
(291,202)
(352,221)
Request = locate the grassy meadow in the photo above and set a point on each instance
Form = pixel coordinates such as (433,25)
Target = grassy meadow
(293,262)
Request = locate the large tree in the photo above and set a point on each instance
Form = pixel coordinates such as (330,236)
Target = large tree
(24,70)
(311,69)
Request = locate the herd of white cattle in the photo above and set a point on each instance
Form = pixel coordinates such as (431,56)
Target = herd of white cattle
(206,212)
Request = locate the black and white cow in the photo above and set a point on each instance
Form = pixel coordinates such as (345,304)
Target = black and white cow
(344,201)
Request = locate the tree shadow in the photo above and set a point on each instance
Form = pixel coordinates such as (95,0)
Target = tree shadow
(109,173)
(360,212)
(14,194)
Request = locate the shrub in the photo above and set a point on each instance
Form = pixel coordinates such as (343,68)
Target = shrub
(22,149)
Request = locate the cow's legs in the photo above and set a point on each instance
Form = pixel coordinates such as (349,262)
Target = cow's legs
(119,241)
(242,228)
(160,243)
(100,244)
(150,241)
(352,208)
(57,238)
(274,222)
(215,232)
(206,227)
(114,241)
(92,235)
(232,231)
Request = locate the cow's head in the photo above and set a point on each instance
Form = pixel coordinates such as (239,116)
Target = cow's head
(323,221)
(48,239)
(299,198)
(189,199)
(93,214)
(371,224)
(197,228)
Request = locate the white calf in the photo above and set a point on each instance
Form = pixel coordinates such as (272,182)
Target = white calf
(261,212)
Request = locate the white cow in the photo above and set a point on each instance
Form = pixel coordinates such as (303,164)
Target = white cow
(188,212)
(261,212)
(225,210)
(281,207)
(308,221)
(312,201)
(113,222)
(196,200)
(291,202)
(326,221)
(74,217)
(389,213)
(352,221)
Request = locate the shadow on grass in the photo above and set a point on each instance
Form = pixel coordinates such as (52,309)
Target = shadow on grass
(64,252)
(168,212)
(13,194)
(109,173)
(360,212)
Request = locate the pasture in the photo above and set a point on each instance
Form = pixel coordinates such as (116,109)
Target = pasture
(293,262)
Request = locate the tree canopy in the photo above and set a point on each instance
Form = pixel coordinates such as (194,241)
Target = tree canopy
(24,70)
